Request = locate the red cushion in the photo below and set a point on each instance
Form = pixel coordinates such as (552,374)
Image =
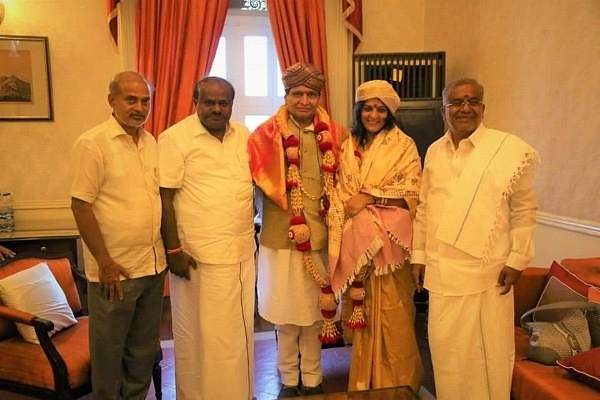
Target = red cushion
(586,269)
(562,284)
(584,366)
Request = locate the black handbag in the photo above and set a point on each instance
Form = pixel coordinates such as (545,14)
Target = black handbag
(552,340)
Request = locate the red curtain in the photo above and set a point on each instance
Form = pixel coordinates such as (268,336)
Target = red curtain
(299,34)
(176,46)
(352,10)
(113,22)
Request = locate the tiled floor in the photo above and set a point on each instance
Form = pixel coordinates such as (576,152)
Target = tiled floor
(335,363)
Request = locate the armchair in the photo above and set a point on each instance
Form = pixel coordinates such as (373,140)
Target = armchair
(59,367)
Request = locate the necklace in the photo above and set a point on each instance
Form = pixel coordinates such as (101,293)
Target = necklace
(299,232)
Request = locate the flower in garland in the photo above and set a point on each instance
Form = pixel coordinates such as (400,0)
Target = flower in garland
(299,232)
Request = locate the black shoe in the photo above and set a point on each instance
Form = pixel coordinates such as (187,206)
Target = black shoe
(309,391)
(288,391)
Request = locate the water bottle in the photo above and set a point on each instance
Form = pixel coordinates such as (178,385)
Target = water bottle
(7,213)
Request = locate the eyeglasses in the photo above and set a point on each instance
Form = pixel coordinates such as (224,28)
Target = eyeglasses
(471,103)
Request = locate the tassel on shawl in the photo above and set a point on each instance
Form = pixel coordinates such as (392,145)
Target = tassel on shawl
(358,319)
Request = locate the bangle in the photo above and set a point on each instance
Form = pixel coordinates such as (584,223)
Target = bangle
(381,201)
(175,251)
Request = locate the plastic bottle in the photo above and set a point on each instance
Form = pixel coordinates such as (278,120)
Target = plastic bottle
(7,213)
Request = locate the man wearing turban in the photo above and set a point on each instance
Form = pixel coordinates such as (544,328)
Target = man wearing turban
(293,160)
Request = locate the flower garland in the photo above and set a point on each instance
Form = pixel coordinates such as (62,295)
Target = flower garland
(299,232)
(358,319)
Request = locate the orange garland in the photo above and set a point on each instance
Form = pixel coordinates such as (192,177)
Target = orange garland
(299,232)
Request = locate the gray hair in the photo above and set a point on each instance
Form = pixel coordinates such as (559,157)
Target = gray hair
(462,82)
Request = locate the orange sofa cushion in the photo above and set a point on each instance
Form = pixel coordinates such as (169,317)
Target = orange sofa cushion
(61,269)
(535,381)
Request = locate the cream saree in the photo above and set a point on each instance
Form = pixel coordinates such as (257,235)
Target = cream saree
(376,244)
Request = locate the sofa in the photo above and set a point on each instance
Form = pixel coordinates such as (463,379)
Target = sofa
(576,377)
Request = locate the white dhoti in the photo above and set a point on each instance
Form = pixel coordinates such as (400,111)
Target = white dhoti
(471,339)
(289,298)
(213,328)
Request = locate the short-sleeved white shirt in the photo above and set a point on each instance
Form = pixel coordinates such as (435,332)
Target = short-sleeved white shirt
(120,180)
(214,200)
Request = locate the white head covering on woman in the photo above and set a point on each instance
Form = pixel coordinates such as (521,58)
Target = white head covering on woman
(381,90)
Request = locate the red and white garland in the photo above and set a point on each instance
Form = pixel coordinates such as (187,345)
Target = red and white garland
(299,232)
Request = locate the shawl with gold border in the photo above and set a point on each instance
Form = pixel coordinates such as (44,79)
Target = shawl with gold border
(390,168)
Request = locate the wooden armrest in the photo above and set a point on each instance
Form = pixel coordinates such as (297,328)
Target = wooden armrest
(77,274)
(26,318)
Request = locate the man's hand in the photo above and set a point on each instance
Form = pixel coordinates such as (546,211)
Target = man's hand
(6,253)
(507,278)
(110,279)
(180,264)
(418,275)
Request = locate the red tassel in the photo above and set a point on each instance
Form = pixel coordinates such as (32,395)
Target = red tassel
(297,220)
(303,246)
(291,141)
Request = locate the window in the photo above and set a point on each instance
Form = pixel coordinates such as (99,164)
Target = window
(246,57)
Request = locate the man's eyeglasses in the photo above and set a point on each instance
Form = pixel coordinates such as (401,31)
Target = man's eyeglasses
(471,103)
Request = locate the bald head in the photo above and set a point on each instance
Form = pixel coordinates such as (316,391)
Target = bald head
(114,87)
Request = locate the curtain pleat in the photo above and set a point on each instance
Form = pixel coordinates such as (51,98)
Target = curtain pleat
(299,34)
(177,42)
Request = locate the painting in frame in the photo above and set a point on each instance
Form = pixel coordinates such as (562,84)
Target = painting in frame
(25,85)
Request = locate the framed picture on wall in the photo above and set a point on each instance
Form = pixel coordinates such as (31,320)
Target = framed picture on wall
(25,85)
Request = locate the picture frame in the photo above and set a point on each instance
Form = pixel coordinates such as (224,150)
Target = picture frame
(25,81)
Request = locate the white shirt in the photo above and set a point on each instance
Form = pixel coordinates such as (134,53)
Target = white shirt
(450,271)
(214,200)
(120,180)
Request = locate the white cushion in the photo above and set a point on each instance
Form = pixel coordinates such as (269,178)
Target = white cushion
(36,291)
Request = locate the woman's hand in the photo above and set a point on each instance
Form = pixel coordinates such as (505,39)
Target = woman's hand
(357,203)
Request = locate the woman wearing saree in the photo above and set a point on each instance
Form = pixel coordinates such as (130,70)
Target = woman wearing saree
(370,235)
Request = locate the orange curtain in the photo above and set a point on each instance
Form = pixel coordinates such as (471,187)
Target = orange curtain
(299,34)
(177,42)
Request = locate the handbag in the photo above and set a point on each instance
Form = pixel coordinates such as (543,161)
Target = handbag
(552,340)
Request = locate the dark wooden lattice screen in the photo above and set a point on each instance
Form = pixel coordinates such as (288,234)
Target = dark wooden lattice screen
(415,76)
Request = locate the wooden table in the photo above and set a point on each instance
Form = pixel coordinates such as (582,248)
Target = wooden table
(395,393)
